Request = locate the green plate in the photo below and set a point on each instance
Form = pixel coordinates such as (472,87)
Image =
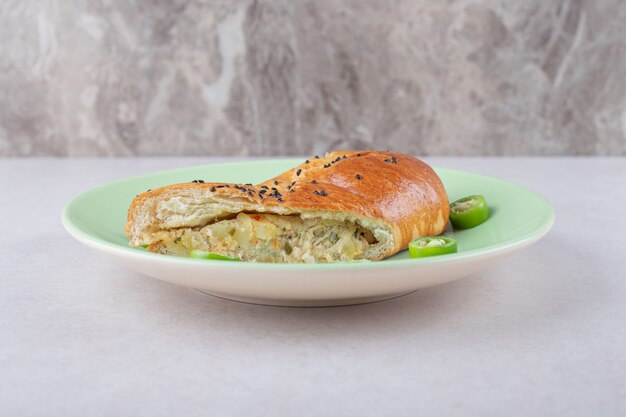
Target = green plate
(518,218)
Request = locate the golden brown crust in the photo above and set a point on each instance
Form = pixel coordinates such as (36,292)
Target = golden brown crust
(397,189)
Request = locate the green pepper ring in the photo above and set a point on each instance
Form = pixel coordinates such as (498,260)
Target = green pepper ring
(466,218)
(417,251)
(199,254)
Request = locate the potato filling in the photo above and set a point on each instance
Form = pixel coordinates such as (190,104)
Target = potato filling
(271,238)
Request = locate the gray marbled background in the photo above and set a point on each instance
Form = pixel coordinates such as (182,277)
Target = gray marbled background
(277,77)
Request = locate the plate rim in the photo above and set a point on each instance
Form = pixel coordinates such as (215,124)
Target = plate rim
(95,242)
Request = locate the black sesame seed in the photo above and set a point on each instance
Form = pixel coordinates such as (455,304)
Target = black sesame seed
(274,188)
(280,200)
(264,186)
(298,172)
(358,154)
(326,165)
(317,157)
(313,182)
(344,157)
(338,159)
(358,176)
(293,183)
(262,192)
(291,191)
(248,183)
(386,160)
(289,187)
(149,189)
(275,182)
(212,189)
(323,193)
(307,161)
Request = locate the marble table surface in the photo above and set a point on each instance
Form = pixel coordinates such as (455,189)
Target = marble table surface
(542,334)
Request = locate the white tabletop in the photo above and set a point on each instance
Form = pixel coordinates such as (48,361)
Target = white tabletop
(542,334)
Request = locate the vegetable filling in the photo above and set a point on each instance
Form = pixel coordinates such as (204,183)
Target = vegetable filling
(271,238)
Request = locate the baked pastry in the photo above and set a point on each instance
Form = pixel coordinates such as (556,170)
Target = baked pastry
(342,207)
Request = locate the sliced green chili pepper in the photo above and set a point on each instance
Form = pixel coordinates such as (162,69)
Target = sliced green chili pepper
(431,246)
(200,254)
(469,212)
